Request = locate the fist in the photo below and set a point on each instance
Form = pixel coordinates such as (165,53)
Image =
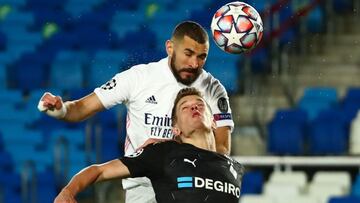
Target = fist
(50,102)
(52,105)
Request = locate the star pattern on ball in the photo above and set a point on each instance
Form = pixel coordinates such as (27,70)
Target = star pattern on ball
(214,25)
(235,11)
(233,37)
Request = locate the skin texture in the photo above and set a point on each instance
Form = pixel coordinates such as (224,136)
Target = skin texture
(194,125)
(186,60)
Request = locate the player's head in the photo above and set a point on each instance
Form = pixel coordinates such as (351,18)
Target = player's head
(191,113)
(187,50)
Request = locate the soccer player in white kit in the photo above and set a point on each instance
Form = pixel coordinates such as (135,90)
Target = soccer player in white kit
(148,91)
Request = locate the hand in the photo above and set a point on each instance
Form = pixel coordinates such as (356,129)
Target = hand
(52,105)
(65,197)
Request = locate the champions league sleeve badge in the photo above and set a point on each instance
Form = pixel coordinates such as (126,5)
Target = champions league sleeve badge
(109,85)
(223,105)
(136,153)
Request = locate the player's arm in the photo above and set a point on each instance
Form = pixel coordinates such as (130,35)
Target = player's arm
(90,175)
(72,111)
(223,140)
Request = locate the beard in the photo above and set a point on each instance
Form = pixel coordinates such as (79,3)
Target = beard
(186,81)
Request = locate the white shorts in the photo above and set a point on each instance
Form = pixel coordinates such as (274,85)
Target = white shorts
(140,194)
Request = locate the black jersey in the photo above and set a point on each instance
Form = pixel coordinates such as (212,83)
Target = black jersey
(185,173)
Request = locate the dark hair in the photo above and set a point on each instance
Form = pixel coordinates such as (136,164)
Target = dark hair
(183,93)
(191,29)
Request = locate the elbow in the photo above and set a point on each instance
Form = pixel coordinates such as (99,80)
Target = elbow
(222,149)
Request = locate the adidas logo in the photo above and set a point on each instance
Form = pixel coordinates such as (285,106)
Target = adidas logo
(151,100)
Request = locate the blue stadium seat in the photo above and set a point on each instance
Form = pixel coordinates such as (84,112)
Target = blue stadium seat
(107,118)
(351,104)
(105,65)
(327,134)
(43,16)
(286,132)
(17,19)
(226,71)
(13,96)
(317,99)
(77,7)
(12,183)
(345,199)
(98,39)
(46,186)
(29,62)
(67,73)
(341,6)
(58,42)
(131,43)
(260,61)
(315,20)
(252,182)
(355,191)
(6,162)
(99,19)
(50,5)
(3,41)
(143,55)
(286,12)
(328,94)
(126,21)
(47,124)
(66,77)
(14,3)
(111,145)
(76,137)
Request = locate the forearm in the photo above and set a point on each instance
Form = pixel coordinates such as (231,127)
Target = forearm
(83,179)
(222,149)
(75,112)
(223,140)
(79,110)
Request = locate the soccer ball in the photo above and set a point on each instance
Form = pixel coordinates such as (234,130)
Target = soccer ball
(236,27)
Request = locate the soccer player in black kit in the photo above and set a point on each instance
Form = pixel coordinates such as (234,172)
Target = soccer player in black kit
(185,170)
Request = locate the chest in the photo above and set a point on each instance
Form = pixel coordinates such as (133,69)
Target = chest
(202,170)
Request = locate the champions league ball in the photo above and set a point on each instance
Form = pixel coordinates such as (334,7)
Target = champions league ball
(236,27)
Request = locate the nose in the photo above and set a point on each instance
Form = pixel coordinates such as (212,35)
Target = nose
(194,63)
(194,107)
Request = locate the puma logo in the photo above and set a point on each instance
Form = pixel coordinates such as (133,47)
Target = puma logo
(191,162)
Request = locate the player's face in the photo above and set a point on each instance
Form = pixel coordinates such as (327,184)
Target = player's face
(193,114)
(187,59)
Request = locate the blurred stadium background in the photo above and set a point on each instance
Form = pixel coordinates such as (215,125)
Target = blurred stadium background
(295,98)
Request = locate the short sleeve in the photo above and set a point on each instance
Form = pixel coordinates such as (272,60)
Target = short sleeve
(220,105)
(146,161)
(119,88)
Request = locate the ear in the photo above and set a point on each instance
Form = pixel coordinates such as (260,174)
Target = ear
(176,131)
(169,47)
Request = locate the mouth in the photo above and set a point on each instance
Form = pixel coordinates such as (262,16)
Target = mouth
(196,114)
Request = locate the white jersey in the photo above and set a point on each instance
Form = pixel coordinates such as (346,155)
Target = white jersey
(149,91)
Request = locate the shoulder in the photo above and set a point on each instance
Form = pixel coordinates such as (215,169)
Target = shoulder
(240,168)
(162,145)
(212,86)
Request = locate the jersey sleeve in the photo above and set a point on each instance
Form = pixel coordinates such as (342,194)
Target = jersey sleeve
(118,89)
(146,161)
(220,105)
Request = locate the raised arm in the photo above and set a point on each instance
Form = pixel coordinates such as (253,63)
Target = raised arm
(90,175)
(72,111)
(223,140)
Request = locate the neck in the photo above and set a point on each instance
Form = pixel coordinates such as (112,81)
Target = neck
(201,139)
